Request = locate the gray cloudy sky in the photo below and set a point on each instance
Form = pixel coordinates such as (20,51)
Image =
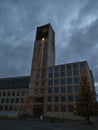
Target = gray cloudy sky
(75,23)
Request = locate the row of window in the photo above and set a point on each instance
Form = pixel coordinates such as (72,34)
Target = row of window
(68,67)
(69,89)
(12,100)
(60,108)
(12,108)
(58,82)
(14,93)
(63,98)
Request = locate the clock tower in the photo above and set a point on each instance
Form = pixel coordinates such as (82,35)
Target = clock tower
(43,57)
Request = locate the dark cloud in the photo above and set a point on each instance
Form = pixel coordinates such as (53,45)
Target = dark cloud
(75,23)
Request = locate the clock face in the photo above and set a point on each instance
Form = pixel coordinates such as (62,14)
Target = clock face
(43,40)
(42,33)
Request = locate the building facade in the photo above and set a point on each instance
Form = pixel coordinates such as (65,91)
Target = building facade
(51,90)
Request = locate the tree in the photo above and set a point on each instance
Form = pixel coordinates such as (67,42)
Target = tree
(86,106)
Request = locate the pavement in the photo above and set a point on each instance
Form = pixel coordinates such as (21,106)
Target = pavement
(45,125)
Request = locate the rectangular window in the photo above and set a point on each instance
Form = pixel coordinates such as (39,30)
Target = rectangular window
(56,82)
(56,98)
(56,68)
(13,93)
(63,108)
(23,93)
(18,93)
(49,108)
(63,98)
(62,74)
(49,99)
(7,100)
(50,69)
(75,72)
(37,83)
(63,89)
(76,89)
(76,80)
(8,93)
(17,100)
(75,66)
(49,90)
(50,82)
(69,81)
(62,81)
(70,98)
(69,73)
(56,74)
(69,67)
(70,108)
(43,83)
(2,100)
(56,108)
(70,89)
(36,91)
(42,91)
(22,100)
(77,98)
(82,65)
(56,90)
(12,101)
(62,68)
(50,75)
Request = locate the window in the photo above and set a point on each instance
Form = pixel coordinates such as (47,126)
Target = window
(56,68)
(43,76)
(62,74)
(4,93)
(49,99)
(63,98)
(17,100)
(42,91)
(76,89)
(22,100)
(69,67)
(70,108)
(13,93)
(10,108)
(76,80)
(70,98)
(6,108)
(70,89)
(56,90)
(50,82)
(56,74)
(37,83)
(49,90)
(2,101)
(56,82)
(62,68)
(63,90)
(56,108)
(23,93)
(56,98)
(62,81)
(75,66)
(76,72)
(18,93)
(50,69)
(42,83)
(50,75)
(7,100)
(77,98)
(49,108)
(36,91)
(8,93)
(63,108)
(12,101)
(82,65)
(69,73)
(69,81)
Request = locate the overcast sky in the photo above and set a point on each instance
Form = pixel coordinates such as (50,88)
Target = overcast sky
(75,23)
